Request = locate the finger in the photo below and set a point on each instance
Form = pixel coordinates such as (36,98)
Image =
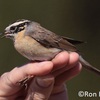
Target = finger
(69,74)
(30,69)
(73,60)
(60,60)
(41,88)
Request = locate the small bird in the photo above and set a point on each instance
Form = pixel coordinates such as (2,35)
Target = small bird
(39,44)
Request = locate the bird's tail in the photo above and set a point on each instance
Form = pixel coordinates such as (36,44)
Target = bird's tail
(88,66)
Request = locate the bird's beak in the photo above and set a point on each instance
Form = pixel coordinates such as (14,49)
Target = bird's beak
(6,34)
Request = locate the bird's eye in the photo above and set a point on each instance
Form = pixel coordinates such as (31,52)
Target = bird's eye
(12,28)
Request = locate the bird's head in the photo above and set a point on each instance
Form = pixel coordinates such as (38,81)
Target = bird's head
(13,29)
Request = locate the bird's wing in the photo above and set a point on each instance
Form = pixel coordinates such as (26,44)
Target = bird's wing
(73,41)
(51,40)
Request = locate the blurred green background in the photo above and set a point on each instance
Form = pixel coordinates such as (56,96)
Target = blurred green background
(79,19)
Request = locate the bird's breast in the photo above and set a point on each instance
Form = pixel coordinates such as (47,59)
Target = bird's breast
(33,50)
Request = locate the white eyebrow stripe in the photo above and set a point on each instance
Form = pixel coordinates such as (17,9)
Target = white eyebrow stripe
(15,24)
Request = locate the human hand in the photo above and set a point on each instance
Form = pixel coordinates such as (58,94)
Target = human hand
(14,87)
(62,68)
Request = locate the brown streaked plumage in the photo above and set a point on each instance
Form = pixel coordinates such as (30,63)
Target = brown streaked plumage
(37,43)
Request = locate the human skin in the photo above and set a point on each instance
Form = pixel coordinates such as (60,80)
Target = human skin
(48,78)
